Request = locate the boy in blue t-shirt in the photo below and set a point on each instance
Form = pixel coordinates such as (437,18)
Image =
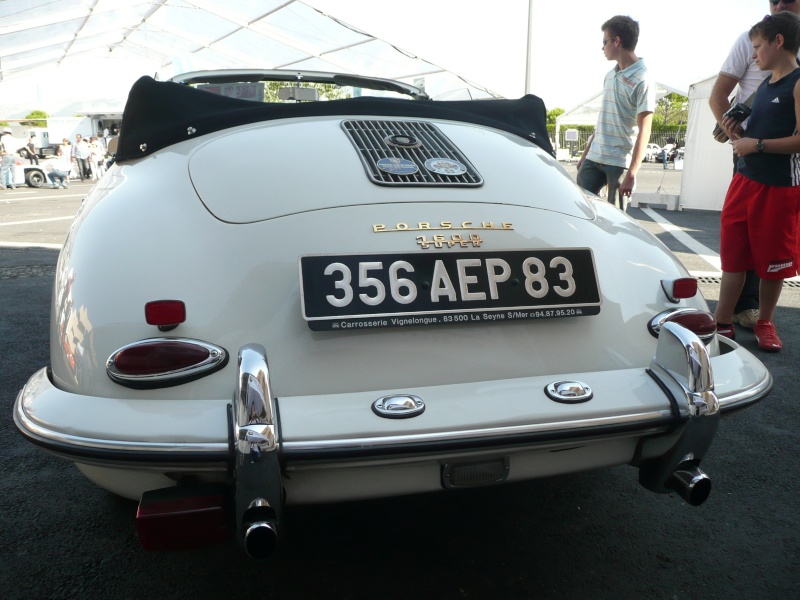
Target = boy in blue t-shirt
(761,214)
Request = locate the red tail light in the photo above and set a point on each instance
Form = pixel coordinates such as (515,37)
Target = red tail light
(161,362)
(699,322)
(675,289)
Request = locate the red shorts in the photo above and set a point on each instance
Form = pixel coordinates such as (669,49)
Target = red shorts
(759,229)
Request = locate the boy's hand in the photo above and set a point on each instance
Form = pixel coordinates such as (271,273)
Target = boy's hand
(744,146)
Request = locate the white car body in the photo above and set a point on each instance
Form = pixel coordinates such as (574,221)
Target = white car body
(473,386)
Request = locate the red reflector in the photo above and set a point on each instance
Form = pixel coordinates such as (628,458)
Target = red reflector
(160,356)
(165,312)
(685,287)
(698,322)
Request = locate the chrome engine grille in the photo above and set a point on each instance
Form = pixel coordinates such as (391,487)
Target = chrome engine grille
(370,139)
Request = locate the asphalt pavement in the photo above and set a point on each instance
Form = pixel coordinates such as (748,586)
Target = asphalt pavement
(592,535)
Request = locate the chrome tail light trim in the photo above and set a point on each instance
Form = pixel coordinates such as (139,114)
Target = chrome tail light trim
(217,358)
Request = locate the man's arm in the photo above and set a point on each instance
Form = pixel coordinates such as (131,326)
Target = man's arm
(718,100)
(645,122)
(585,151)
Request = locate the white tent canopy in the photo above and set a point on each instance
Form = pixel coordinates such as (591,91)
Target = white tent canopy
(168,37)
(586,112)
(708,164)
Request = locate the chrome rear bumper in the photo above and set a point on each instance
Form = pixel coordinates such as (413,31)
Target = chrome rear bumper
(678,392)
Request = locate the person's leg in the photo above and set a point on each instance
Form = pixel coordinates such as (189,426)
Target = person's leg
(766,335)
(591,177)
(3,173)
(734,250)
(770,294)
(729,288)
(776,225)
(745,313)
(614,178)
(11,176)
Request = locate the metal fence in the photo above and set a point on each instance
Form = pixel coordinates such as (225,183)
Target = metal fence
(577,147)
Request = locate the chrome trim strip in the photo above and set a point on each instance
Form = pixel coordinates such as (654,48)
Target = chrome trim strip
(476,434)
(26,425)
(217,356)
(656,324)
(745,398)
(32,429)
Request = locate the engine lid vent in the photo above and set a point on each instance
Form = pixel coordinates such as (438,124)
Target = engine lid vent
(410,153)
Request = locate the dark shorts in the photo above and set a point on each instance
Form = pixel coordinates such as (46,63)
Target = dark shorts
(759,228)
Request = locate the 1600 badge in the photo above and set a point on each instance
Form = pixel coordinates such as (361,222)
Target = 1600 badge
(361,290)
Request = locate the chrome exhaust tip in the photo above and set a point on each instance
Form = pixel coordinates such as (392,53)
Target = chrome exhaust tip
(691,484)
(261,539)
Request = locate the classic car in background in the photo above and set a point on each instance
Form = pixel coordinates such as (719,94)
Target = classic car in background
(400,296)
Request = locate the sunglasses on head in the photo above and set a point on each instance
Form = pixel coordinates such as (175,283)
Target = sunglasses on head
(775,2)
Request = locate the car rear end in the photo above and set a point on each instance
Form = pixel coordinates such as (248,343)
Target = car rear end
(279,310)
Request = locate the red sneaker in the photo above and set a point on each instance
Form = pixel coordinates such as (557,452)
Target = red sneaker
(726,331)
(767,337)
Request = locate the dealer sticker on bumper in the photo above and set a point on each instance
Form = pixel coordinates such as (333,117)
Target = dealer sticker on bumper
(359,291)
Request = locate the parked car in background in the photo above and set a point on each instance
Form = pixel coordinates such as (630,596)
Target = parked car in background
(652,152)
(32,175)
(409,296)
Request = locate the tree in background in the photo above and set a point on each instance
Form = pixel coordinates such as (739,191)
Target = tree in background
(672,109)
(38,119)
(553,114)
(327,91)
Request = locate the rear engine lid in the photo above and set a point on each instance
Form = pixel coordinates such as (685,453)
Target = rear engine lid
(268,170)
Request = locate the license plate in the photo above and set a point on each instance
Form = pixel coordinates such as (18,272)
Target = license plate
(360,291)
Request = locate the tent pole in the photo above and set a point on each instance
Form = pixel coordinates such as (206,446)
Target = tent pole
(528,53)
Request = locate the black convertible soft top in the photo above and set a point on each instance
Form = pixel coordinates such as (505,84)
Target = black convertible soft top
(159,114)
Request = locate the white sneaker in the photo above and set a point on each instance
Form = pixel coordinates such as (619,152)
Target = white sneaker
(747,318)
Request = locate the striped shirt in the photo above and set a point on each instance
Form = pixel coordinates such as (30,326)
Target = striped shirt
(626,94)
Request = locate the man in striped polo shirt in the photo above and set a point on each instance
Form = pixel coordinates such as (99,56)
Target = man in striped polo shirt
(626,116)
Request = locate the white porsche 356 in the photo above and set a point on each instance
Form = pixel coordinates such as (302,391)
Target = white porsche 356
(394,295)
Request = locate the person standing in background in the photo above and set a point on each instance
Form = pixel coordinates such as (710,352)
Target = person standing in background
(739,69)
(668,147)
(626,116)
(97,157)
(81,156)
(8,148)
(33,151)
(760,219)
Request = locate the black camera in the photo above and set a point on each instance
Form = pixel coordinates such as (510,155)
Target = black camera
(738,112)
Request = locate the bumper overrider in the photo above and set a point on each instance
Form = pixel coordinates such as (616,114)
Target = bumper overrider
(257,454)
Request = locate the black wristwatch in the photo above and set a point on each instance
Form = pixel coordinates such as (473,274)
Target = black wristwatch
(760,145)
